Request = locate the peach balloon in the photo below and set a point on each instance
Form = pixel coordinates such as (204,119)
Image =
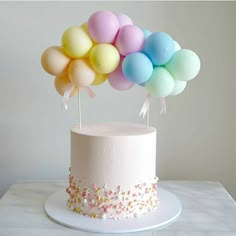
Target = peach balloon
(81,73)
(61,82)
(54,60)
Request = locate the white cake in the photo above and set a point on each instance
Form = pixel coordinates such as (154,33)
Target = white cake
(113,170)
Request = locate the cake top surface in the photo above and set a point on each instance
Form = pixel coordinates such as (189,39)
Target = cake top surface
(114,129)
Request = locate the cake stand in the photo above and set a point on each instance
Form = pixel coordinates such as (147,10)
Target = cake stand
(168,210)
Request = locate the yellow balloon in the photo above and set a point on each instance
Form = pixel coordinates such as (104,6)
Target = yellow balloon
(54,60)
(81,73)
(84,26)
(61,82)
(76,42)
(104,58)
(99,79)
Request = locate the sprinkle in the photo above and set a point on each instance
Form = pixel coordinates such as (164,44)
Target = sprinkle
(141,199)
(106,209)
(78,210)
(93,215)
(105,186)
(97,190)
(78,200)
(94,186)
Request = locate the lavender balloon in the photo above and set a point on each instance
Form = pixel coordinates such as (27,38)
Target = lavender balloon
(117,79)
(129,39)
(103,26)
(124,19)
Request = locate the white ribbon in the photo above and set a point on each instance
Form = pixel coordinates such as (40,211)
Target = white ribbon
(66,96)
(145,106)
(68,91)
(90,92)
(163,105)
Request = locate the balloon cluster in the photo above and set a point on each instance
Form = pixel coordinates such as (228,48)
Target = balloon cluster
(110,47)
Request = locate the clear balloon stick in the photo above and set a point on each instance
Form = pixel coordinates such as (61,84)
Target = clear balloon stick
(79,109)
(147,118)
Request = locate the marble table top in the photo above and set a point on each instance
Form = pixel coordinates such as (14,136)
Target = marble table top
(208,210)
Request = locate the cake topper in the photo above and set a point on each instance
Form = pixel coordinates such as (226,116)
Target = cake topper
(110,47)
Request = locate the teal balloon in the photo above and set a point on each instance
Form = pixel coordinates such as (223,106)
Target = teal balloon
(178,87)
(184,65)
(161,83)
(159,47)
(137,67)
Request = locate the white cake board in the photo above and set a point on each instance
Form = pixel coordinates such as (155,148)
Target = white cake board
(168,210)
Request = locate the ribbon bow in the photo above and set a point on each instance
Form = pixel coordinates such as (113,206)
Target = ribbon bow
(69,88)
(146,105)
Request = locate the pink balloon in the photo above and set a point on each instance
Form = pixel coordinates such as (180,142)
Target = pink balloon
(129,39)
(118,81)
(103,26)
(124,20)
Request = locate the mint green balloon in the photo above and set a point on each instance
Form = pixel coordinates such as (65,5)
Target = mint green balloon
(161,83)
(178,87)
(184,65)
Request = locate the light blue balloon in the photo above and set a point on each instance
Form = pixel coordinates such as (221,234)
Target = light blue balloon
(146,33)
(159,47)
(142,84)
(137,67)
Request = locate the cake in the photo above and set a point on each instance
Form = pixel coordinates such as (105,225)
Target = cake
(113,170)
(113,165)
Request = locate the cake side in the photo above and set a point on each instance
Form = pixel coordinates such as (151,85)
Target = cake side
(113,168)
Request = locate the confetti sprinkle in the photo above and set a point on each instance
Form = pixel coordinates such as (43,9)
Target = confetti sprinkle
(101,202)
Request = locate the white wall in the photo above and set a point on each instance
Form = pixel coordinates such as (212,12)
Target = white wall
(196,138)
